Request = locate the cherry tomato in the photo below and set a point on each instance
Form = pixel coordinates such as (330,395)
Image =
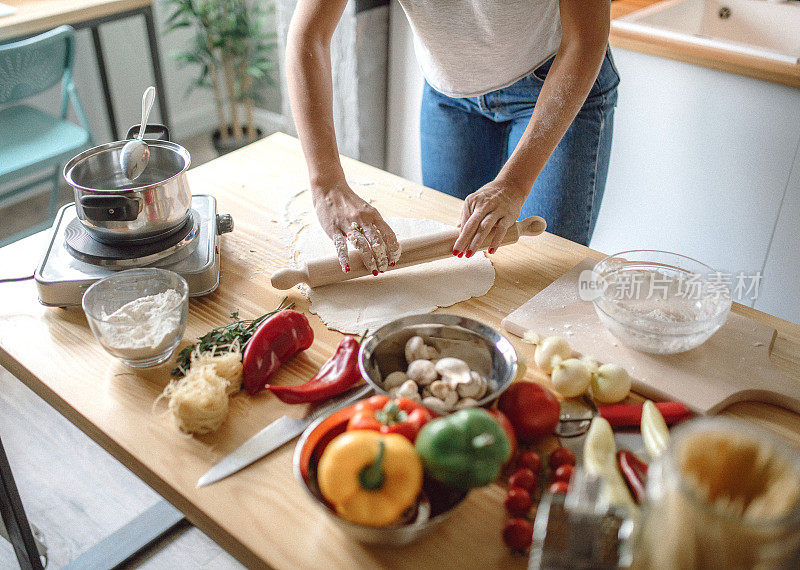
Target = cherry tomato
(563,473)
(561,456)
(518,502)
(502,419)
(532,409)
(518,534)
(558,487)
(531,460)
(523,478)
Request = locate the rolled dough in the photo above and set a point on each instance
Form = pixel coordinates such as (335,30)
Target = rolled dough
(370,302)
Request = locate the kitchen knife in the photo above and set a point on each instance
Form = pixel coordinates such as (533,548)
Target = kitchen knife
(274,436)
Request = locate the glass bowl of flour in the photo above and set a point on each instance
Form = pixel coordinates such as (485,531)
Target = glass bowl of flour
(660,302)
(138,315)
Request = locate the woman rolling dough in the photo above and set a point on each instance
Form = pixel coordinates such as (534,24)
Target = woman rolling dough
(517,115)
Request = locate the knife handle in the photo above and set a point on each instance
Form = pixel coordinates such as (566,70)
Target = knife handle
(630,415)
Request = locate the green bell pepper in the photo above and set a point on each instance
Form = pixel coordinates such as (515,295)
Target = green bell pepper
(463,450)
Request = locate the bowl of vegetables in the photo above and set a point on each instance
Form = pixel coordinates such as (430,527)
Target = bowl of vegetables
(388,471)
(446,362)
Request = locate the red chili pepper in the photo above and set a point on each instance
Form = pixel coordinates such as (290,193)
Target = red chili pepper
(634,471)
(380,413)
(630,415)
(274,342)
(338,373)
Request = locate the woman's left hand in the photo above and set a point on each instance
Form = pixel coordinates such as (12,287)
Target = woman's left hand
(487,215)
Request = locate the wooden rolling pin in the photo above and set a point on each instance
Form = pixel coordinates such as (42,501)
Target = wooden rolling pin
(421,249)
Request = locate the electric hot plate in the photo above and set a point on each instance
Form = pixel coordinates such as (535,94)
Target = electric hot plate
(74,260)
(81,245)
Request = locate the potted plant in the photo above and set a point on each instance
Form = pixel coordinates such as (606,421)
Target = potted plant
(234,51)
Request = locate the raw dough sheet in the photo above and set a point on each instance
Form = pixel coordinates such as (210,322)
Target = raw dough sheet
(370,302)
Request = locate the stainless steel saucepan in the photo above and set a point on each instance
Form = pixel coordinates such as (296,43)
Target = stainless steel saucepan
(117,210)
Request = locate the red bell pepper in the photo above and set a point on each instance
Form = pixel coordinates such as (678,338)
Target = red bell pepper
(381,413)
(338,373)
(274,342)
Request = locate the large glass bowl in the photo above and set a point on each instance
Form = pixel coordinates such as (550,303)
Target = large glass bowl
(660,302)
(149,338)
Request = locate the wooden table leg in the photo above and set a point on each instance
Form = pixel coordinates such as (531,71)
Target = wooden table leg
(13,515)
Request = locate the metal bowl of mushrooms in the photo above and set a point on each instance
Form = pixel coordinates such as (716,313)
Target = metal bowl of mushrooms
(446,362)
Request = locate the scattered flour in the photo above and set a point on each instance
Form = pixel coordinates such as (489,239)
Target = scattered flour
(143,327)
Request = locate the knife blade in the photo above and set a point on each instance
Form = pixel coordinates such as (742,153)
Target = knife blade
(274,436)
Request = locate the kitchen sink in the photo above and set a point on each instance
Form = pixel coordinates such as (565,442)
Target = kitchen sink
(761,28)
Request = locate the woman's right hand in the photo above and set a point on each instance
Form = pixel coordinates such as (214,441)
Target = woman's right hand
(344,216)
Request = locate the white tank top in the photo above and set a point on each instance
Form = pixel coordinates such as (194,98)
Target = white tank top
(470,47)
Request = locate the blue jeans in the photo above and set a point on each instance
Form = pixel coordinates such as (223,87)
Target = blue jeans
(465,142)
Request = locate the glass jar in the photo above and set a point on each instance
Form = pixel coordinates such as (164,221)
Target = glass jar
(724,495)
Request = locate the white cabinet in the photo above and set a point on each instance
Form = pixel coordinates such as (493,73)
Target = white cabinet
(699,165)
(780,290)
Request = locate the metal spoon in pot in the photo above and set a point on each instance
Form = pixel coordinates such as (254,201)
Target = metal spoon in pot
(135,154)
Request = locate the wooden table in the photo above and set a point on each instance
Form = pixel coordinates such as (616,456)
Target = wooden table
(261,515)
(35,16)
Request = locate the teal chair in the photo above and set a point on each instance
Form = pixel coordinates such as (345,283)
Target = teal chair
(30,139)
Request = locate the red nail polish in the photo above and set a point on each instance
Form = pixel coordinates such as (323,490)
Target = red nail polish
(469,253)
(492,250)
(455,252)
(347,268)
(391,264)
(375,272)
(460,255)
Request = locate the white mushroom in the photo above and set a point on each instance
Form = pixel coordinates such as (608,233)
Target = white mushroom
(416,349)
(423,372)
(454,371)
(426,391)
(441,406)
(475,388)
(465,403)
(394,380)
(408,390)
(434,404)
(441,390)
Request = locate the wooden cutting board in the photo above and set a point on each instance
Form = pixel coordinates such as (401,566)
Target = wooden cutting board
(732,366)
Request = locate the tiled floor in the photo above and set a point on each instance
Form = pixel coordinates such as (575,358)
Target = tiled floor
(74,491)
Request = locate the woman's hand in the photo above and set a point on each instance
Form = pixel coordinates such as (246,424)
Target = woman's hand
(344,216)
(487,215)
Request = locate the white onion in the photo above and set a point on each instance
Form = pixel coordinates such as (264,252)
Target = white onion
(610,384)
(571,377)
(549,348)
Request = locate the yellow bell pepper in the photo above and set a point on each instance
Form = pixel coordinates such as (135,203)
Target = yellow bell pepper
(370,478)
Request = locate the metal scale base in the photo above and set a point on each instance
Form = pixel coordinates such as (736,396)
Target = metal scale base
(62,278)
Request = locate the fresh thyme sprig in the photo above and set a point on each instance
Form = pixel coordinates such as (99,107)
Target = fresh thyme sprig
(223,337)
